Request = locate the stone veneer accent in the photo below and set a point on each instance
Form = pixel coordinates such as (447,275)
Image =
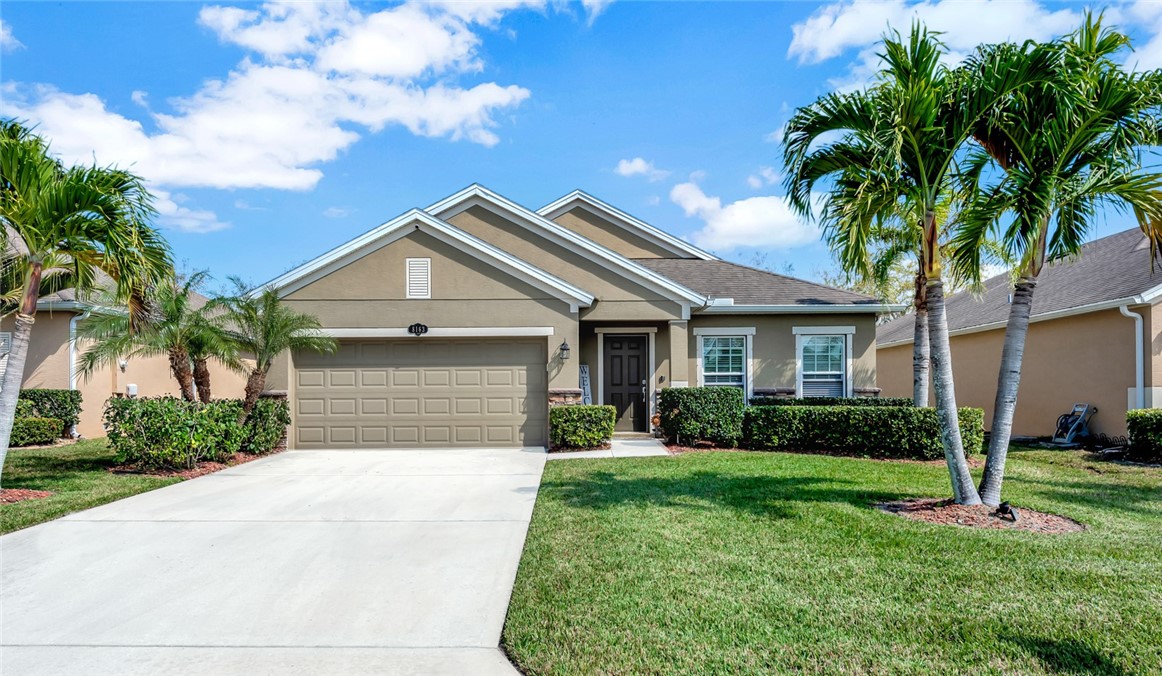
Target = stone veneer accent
(565,396)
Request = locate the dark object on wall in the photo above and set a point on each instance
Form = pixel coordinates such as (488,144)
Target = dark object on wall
(418,329)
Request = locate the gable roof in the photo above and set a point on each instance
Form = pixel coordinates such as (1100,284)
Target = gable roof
(399,227)
(580,198)
(610,260)
(1111,271)
(737,288)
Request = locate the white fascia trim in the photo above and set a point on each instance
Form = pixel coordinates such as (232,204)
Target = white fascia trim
(799,309)
(624,220)
(724,331)
(1145,298)
(823,330)
(449,234)
(477,194)
(444,332)
(61,305)
(626,329)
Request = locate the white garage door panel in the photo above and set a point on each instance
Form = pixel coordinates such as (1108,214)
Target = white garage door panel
(420,392)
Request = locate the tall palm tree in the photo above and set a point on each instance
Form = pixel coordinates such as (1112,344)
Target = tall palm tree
(261,325)
(174,325)
(81,221)
(1065,149)
(899,143)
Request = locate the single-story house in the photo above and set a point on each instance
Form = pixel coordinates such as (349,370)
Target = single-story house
(52,362)
(1095,337)
(461,323)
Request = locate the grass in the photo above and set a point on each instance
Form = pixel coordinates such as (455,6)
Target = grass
(727,563)
(78,476)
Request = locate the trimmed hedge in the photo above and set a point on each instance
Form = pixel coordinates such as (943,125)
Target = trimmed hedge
(1145,429)
(690,414)
(581,426)
(64,405)
(35,431)
(831,401)
(874,431)
(266,426)
(169,433)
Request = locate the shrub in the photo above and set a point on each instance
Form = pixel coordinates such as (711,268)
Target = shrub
(266,426)
(690,414)
(64,405)
(875,431)
(831,401)
(24,409)
(1145,428)
(581,426)
(35,431)
(170,433)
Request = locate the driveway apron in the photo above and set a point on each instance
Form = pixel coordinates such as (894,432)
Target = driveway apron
(311,562)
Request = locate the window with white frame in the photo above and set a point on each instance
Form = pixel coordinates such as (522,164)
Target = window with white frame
(824,365)
(724,361)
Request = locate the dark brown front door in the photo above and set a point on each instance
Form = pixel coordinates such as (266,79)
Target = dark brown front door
(626,372)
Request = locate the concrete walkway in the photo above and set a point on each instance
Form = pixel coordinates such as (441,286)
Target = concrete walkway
(308,562)
(635,447)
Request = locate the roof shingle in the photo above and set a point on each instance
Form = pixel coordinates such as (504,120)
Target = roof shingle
(749,286)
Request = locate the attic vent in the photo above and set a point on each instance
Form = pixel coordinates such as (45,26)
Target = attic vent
(419,278)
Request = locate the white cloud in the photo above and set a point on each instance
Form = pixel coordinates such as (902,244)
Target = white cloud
(834,29)
(171,213)
(8,41)
(1148,14)
(640,167)
(317,77)
(752,222)
(594,8)
(763,177)
(336,212)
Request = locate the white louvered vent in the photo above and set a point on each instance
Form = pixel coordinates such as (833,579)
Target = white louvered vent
(419,278)
(5,342)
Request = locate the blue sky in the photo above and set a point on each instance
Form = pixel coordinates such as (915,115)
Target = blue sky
(271,133)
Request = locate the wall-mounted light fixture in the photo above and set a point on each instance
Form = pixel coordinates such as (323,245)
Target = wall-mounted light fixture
(122,364)
(564,350)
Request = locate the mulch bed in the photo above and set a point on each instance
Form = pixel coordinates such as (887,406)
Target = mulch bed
(946,512)
(11,495)
(974,461)
(201,469)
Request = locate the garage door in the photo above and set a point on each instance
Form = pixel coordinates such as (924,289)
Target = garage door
(422,393)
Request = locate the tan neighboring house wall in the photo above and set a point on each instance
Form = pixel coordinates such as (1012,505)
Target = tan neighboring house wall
(1086,358)
(48,367)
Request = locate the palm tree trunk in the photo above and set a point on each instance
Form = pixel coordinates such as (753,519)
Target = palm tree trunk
(921,351)
(17,355)
(254,386)
(963,488)
(202,379)
(1008,382)
(179,366)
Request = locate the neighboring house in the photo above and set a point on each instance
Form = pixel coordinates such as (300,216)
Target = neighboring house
(1095,337)
(53,354)
(460,324)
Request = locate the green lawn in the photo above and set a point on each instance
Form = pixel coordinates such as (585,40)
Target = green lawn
(78,476)
(727,563)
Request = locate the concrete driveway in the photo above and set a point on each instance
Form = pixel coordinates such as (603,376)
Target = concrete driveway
(311,562)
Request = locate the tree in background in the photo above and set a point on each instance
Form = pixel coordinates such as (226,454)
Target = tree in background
(75,225)
(259,324)
(1063,150)
(897,151)
(174,325)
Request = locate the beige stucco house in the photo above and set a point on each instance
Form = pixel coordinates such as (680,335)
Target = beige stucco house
(461,323)
(1095,337)
(52,359)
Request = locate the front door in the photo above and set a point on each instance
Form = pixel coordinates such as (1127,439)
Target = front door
(626,374)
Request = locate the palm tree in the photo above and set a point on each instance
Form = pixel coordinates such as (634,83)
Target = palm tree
(83,222)
(1065,148)
(899,145)
(174,325)
(259,324)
